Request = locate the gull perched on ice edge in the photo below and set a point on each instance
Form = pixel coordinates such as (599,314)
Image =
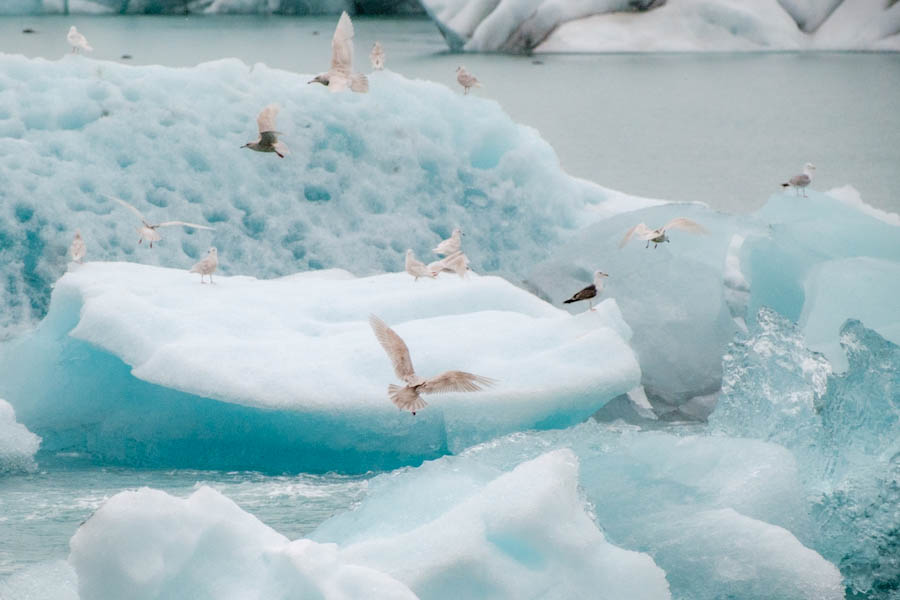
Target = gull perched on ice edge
(341,76)
(658,236)
(377,56)
(77,250)
(77,40)
(208,265)
(800,182)
(407,397)
(148,231)
(268,137)
(590,292)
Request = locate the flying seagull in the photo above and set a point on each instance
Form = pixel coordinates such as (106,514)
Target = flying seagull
(148,231)
(77,40)
(466,79)
(450,245)
(377,56)
(77,250)
(268,137)
(416,267)
(408,397)
(341,76)
(800,182)
(658,236)
(208,265)
(454,263)
(590,292)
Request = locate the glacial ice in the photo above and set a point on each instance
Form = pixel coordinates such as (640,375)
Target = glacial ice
(17,445)
(181,7)
(671,296)
(648,490)
(523,534)
(673,25)
(370,175)
(286,374)
(844,430)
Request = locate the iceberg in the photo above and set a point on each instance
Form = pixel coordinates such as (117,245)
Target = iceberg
(183,7)
(17,444)
(843,429)
(524,534)
(138,364)
(665,25)
(370,175)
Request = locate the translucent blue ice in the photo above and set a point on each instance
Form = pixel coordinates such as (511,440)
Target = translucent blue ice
(17,444)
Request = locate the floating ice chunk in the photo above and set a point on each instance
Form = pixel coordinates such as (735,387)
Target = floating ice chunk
(671,296)
(146,544)
(17,444)
(287,374)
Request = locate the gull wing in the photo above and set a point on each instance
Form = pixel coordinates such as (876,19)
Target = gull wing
(268,137)
(184,224)
(342,46)
(640,231)
(800,180)
(266,119)
(395,348)
(128,206)
(455,381)
(686,224)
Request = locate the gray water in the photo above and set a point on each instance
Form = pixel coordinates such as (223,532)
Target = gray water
(724,129)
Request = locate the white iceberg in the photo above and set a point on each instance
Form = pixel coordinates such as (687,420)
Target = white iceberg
(17,444)
(287,374)
(525,534)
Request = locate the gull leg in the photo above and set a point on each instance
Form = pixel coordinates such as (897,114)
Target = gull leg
(210,280)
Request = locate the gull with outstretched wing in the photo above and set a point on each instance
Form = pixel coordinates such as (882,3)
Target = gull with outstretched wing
(268,136)
(658,236)
(341,76)
(408,397)
(148,231)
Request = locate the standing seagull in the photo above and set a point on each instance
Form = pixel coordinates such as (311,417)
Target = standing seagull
(590,292)
(268,137)
(451,244)
(77,40)
(77,250)
(208,265)
(466,79)
(377,56)
(800,182)
(407,397)
(658,236)
(417,268)
(148,231)
(341,76)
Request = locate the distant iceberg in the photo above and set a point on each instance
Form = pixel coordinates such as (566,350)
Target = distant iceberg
(666,25)
(17,444)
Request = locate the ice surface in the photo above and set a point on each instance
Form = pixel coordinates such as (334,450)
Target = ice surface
(53,580)
(671,296)
(844,430)
(370,175)
(181,7)
(525,534)
(675,25)
(17,444)
(287,374)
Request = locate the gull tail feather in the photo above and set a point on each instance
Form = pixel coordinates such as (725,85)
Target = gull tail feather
(359,83)
(405,398)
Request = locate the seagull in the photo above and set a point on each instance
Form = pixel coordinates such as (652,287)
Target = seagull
(658,236)
(455,263)
(451,244)
(800,182)
(147,230)
(341,76)
(208,265)
(407,397)
(268,137)
(590,292)
(77,40)
(77,250)
(416,267)
(466,79)
(377,56)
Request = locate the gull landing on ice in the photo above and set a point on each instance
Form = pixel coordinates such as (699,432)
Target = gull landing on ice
(147,230)
(590,292)
(268,137)
(802,181)
(408,396)
(416,267)
(341,76)
(658,236)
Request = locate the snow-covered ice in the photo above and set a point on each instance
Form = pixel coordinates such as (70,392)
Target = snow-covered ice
(193,365)
(17,444)
(226,7)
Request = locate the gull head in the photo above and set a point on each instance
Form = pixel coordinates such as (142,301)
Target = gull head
(72,30)
(323,79)
(809,168)
(460,69)
(457,232)
(213,252)
(599,274)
